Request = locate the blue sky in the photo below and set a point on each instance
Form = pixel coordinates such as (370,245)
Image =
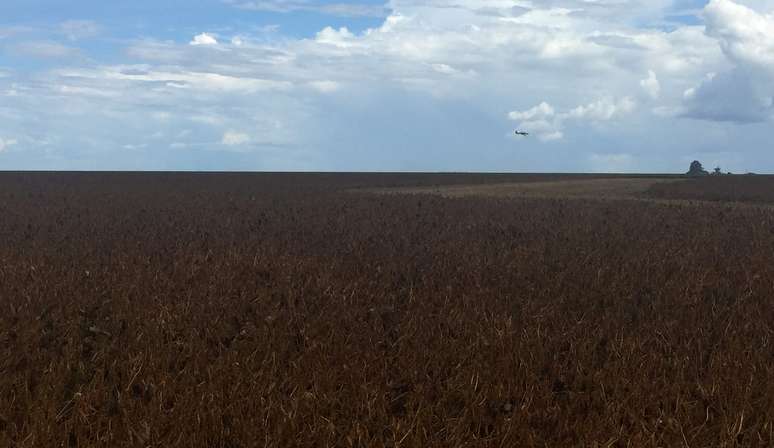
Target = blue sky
(417,85)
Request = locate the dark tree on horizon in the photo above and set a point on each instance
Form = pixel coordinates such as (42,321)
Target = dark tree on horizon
(696,169)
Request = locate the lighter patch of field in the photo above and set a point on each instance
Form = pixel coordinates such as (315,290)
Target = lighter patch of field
(626,188)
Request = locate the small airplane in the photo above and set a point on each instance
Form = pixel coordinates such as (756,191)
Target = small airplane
(523,134)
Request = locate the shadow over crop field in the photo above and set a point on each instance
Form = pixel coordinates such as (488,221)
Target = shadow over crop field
(251,310)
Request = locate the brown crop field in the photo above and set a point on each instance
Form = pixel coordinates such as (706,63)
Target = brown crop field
(282,310)
(588,188)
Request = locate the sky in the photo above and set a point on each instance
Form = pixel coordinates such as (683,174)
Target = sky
(406,85)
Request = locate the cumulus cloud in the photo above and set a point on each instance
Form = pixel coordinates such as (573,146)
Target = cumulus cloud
(745,35)
(604,109)
(736,96)
(204,39)
(540,112)
(340,38)
(548,125)
(745,93)
(540,120)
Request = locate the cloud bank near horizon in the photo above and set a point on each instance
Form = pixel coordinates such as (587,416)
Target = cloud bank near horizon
(436,85)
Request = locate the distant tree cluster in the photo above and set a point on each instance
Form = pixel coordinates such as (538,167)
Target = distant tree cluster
(696,169)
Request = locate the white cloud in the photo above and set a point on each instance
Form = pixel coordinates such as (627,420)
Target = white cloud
(540,112)
(6,143)
(340,38)
(86,91)
(204,39)
(325,86)
(651,85)
(548,125)
(431,65)
(234,138)
(446,69)
(744,34)
(745,92)
(604,109)
(183,79)
(541,121)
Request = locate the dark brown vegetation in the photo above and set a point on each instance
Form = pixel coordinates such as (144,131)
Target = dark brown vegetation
(573,187)
(284,310)
(739,188)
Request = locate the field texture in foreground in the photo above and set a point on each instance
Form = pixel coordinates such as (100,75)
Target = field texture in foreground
(287,310)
